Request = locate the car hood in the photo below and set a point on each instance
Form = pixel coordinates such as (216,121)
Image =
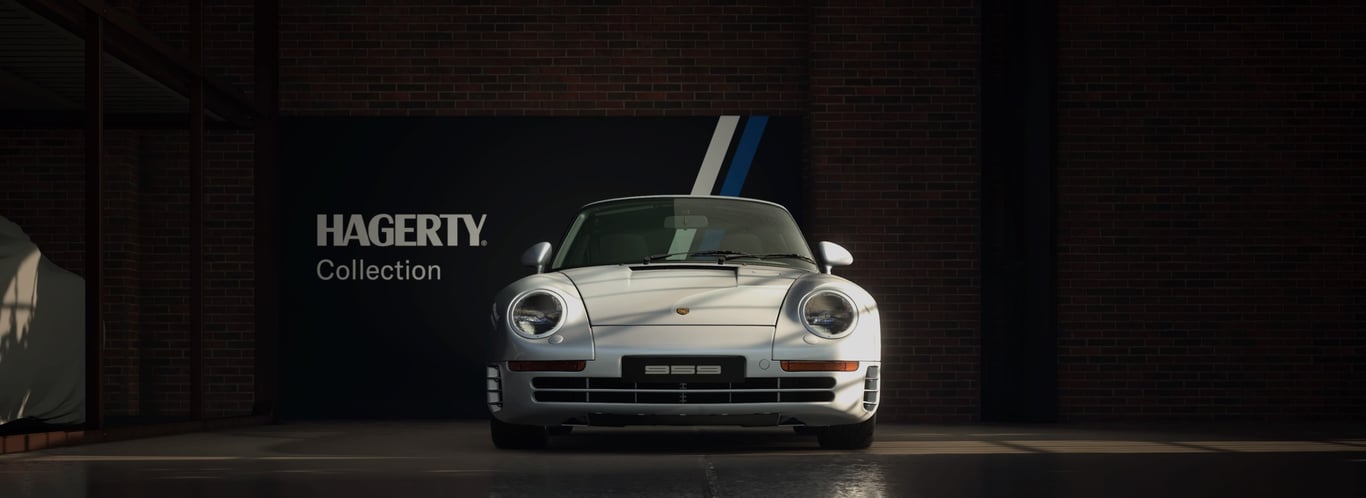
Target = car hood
(676,294)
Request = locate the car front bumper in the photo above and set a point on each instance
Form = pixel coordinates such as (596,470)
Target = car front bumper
(768,396)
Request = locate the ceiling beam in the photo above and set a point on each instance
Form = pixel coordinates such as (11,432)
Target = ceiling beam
(31,93)
(74,120)
(128,41)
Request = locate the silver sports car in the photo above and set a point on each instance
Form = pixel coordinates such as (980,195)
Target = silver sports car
(684,310)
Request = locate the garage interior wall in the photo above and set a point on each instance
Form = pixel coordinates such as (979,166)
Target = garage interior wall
(1212,185)
(1209,179)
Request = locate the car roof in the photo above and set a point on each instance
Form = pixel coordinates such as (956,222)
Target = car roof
(717,197)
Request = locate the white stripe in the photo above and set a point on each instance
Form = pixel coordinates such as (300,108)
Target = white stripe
(706,176)
(716,154)
(682,241)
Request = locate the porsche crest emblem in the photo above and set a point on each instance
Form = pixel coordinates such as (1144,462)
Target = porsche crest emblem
(681,311)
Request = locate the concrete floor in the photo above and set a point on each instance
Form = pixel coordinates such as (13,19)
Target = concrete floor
(415,459)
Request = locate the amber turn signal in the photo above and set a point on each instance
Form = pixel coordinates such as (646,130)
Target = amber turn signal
(819,366)
(547,366)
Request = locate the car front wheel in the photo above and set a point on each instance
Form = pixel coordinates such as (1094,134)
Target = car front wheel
(517,436)
(847,437)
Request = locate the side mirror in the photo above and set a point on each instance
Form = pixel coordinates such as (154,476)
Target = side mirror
(538,256)
(833,255)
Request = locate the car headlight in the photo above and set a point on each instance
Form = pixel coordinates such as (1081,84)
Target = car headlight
(828,314)
(536,314)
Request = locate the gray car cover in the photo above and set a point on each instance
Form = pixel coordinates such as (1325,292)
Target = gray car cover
(42,335)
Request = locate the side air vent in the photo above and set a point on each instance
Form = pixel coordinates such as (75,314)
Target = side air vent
(494,384)
(872,386)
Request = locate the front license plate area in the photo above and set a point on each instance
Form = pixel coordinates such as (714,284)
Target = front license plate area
(683,368)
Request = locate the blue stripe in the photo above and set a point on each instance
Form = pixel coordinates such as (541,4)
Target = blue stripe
(739,169)
(744,154)
(711,239)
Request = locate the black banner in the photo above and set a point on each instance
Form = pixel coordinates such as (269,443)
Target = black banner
(397,232)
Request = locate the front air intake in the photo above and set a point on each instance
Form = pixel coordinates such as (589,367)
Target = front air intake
(616,390)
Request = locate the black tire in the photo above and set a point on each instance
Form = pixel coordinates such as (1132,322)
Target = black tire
(517,436)
(559,430)
(847,437)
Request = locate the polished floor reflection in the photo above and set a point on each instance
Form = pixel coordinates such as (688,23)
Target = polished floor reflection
(455,459)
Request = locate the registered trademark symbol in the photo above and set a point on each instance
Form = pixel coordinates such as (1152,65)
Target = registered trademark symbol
(483,242)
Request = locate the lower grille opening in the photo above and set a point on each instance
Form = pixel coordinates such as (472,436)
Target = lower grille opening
(610,397)
(615,390)
(561,396)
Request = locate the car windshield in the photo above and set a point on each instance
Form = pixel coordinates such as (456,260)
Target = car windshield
(683,230)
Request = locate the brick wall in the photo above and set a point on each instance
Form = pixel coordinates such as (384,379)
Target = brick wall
(889,93)
(229,314)
(122,270)
(146,361)
(165,284)
(229,278)
(620,60)
(894,177)
(1211,260)
(1210,246)
(44,191)
(228,31)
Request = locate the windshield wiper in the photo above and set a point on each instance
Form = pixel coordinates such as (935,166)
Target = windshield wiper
(780,255)
(723,255)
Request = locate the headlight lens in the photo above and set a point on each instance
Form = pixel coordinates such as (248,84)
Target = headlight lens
(537,314)
(828,314)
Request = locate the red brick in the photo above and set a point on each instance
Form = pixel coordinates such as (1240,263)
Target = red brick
(37,441)
(16,443)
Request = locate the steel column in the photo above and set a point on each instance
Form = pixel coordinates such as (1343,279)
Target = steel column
(267,48)
(1019,318)
(94,218)
(196,167)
